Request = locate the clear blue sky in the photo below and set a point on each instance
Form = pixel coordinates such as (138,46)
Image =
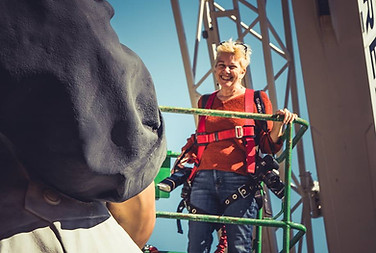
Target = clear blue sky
(147,27)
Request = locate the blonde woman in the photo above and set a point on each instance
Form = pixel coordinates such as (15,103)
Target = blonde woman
(226,158)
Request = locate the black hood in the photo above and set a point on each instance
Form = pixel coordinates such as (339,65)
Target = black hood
(79,107)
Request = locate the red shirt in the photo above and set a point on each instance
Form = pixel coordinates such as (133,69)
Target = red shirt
(230,154)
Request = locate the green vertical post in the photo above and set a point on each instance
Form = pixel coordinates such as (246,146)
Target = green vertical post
(287,200)
(258,240)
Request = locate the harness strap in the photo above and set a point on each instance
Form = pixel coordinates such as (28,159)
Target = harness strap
(242,192)
(185,203)
(250,143)
(222,244)
(249,137)
(201,129)
(180,209)
(237,132)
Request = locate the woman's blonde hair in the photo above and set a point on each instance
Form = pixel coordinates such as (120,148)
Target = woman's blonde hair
(240,50)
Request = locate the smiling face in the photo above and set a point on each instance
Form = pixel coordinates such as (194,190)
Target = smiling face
(228,71)
(79,106)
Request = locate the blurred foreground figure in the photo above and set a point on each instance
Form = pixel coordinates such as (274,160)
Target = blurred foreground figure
(79,127)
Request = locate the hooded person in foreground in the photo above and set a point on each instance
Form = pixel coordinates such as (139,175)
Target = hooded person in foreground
(79,127)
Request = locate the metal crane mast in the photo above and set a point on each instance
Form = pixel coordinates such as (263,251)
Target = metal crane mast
(256,26)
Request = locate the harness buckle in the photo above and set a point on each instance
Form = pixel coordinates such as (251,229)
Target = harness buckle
(243,191)
(239,132)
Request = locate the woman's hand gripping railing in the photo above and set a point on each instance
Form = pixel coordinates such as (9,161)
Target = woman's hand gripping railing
(286,223)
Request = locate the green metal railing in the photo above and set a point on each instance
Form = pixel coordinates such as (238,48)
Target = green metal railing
(286,224)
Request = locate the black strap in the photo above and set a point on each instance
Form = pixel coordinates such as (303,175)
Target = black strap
(242,192)
(260,108)
(204,100)
(184,203)
(251,187)
(180,209)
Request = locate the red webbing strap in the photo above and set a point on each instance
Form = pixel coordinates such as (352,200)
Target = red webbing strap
(201,128)
(236,132)
(250,145)
(222,244)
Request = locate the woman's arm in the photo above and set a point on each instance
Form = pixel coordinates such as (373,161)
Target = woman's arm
(136,215)
(270,141)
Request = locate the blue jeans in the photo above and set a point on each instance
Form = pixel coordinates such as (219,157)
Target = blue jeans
(209,190)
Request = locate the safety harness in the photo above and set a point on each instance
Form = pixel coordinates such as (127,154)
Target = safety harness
(245,132)
(202,139)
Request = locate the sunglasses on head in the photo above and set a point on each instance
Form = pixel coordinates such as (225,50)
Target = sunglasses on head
(238,43)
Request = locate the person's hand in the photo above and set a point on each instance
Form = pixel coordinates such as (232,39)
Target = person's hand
(277,130)
(288,117)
